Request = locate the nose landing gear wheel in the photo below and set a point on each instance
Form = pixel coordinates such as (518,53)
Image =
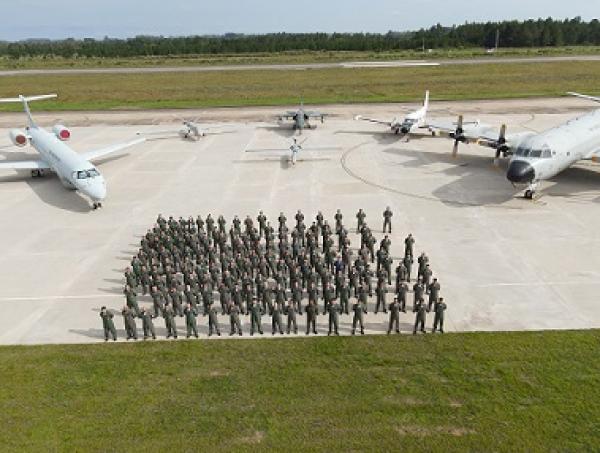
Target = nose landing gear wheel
(529,194)
(97,205)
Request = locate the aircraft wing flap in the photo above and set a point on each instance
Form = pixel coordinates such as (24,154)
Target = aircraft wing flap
(24,165)
(96,154)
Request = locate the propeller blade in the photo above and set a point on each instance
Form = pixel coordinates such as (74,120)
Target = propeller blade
(455,148)
(458,135)
(497,158)
(502,137)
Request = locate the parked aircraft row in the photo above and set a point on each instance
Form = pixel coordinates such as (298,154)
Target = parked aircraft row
(534,157)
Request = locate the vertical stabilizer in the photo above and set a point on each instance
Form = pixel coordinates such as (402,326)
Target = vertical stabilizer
(25,101)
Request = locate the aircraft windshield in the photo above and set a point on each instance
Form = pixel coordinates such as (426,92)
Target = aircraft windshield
(534,153)
(85,174)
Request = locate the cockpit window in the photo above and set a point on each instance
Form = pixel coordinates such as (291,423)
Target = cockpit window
(535,153)
(547,154)
(85,174)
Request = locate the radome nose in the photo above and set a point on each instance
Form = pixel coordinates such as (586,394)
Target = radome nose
(520,171)
(97,192)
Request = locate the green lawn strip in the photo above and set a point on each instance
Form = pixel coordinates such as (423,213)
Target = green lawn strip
(486,391)
(255,88)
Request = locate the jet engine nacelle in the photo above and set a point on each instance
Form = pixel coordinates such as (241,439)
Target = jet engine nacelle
(18,137)
(61,132)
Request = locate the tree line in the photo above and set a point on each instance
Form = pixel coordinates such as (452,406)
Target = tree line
(529,33)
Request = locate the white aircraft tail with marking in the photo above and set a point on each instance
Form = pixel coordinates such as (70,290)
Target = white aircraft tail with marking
(25,100)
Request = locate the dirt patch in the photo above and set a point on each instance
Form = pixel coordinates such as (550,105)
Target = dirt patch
(253,439)
(410,401)
(424,431)
(218,373)
(454,403)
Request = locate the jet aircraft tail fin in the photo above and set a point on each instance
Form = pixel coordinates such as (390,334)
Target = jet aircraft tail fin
(25,100)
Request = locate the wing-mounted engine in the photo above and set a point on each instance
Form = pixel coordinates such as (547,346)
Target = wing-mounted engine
(18,137)
(61,132)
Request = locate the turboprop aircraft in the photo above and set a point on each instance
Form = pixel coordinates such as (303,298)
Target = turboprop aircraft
(404,126)
(75,170)
(535,157)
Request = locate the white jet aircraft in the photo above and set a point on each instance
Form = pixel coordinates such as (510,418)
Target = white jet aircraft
(74,170)
(536,157)
(407,126)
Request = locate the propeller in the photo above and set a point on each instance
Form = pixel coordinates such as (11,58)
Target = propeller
(501,147)
(459,135)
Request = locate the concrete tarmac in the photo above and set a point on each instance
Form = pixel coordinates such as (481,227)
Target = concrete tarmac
(504,263)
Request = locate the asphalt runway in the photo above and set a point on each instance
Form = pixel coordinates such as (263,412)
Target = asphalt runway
(504,263)
(299,67)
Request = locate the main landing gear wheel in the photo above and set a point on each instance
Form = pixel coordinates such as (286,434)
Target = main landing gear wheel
(97,205)
(529,194)
(37,173)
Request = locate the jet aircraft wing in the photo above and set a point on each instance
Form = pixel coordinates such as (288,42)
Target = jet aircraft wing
(372,120)
(24,165)
(95,154)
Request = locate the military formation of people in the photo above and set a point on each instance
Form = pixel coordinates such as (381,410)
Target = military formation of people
(191,267)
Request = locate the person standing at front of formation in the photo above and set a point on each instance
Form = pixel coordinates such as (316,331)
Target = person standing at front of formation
(108,324)
(438,319)
(147,324)
(387,220)
(129,321)
(213,321)
(421,313)
(290,311)
(190,321)
(169,317)
(311,317)
(234,319)
(394,316)
(334,310)
(359,309)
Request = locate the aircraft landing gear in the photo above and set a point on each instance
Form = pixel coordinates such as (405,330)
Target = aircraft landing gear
(530,192)
(96,205)
(37,173)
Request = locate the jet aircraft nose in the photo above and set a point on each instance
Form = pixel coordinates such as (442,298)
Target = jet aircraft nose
(96,191)
(520,172)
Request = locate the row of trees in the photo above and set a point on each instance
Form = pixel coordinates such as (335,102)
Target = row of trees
(531,33)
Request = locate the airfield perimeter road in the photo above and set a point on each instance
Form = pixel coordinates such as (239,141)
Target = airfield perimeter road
(301,67)
(504,263)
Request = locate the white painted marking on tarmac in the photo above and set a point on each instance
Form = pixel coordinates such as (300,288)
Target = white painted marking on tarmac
(496,285)
(23,299)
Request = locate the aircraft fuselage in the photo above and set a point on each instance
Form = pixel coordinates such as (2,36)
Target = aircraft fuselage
(74,172)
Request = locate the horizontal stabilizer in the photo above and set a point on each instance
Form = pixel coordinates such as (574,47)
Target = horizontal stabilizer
(40,97)
(24,165)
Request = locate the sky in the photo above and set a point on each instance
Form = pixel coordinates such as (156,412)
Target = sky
(57,19)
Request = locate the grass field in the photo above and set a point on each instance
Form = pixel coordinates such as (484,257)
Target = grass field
(458,392)
(286,57)
(243,88)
